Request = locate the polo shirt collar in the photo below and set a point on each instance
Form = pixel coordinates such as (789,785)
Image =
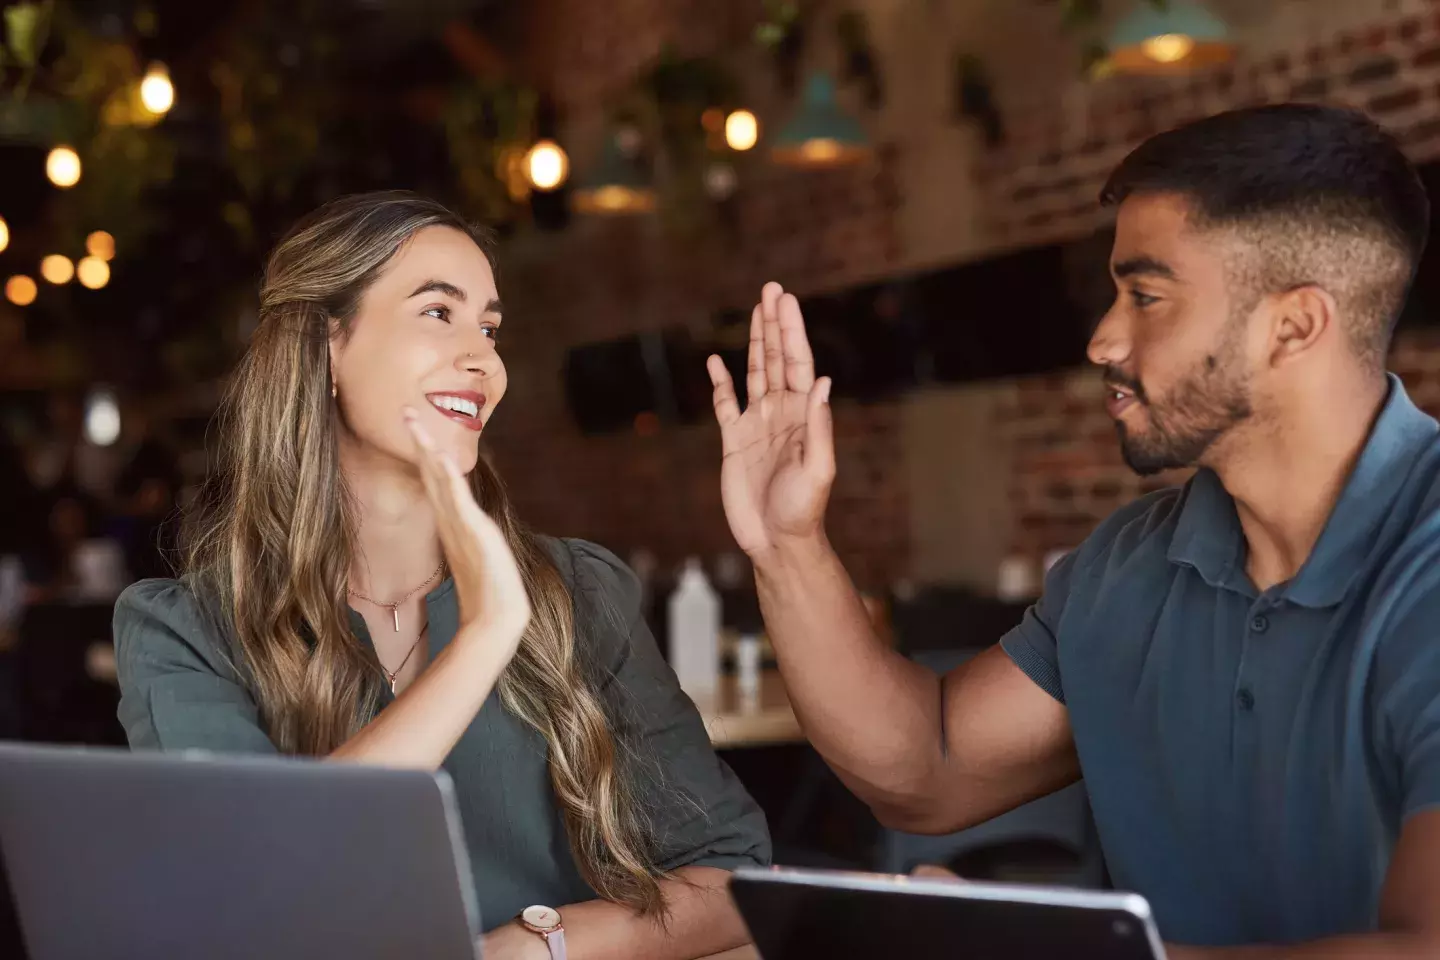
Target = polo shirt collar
(1209,538)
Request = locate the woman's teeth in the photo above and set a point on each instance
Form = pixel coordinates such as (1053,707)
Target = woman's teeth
(457,405)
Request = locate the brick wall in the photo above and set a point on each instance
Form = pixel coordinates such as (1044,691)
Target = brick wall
(932,197)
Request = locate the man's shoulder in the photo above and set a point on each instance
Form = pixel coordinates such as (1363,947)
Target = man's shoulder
(1143,527)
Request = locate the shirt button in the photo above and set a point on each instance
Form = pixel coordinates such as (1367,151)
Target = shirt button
(1259,623)
(1246,699)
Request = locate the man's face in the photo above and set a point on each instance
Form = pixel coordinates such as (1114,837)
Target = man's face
(1173,347)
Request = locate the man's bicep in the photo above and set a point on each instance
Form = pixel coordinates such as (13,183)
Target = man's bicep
(1007,741)
(1411,899)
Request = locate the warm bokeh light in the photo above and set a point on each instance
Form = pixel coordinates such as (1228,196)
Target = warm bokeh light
(21,290)
(1168,47)
(156,90)
(57,269)
(742,130)
(820,151)
(100,244)
(4,234)
(546,165)
(102,418)
(62,166)
(93,273)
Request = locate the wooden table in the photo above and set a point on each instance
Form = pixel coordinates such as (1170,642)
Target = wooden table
(766,720)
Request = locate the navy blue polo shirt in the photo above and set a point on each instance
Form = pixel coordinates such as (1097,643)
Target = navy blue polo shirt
(1251,756)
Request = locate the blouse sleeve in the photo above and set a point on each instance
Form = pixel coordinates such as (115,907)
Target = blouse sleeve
(701,813)
(178,689)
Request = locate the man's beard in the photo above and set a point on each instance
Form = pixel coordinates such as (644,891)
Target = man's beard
(1184,424)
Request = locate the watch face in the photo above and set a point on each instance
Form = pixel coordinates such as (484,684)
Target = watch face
(542,918)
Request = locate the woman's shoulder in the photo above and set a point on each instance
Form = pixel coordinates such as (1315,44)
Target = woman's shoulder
(595,575)
(154,618)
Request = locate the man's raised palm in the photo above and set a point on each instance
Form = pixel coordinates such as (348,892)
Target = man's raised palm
(779,453)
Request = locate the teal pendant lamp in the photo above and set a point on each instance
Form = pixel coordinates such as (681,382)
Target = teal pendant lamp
(1174,36)
(618,184)
(820,133)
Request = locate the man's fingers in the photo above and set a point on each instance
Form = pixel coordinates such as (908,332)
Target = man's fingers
(799,361)
(819,434)
(727,407)
(774,349)
(755,364)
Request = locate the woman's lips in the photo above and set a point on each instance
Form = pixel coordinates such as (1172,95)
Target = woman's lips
(462,406)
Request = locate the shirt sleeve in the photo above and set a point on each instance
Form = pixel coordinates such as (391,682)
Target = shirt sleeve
(178,690)
(1033,644)
(701,813)
(1406,690)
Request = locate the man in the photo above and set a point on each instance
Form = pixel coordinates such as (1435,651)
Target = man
(1246,670)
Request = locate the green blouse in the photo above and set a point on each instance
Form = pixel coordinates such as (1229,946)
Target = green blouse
(179,692)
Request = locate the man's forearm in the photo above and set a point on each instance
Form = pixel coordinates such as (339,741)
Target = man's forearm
(1378,946)
(872,714)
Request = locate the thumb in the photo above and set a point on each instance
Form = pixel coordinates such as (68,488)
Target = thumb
(819,433)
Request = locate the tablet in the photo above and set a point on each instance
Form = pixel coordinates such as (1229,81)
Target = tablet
(798,914)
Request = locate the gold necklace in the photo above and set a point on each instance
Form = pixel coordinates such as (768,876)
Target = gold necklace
(395,607)
(391,676)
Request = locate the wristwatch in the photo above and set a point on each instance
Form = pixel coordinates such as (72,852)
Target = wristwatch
(546,922)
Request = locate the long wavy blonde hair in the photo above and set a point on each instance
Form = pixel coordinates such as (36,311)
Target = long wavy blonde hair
(271,543)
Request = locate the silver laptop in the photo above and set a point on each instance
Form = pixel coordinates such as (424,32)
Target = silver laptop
(798,914)
(113,854)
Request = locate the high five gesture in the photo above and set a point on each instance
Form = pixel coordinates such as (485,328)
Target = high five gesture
(779,452)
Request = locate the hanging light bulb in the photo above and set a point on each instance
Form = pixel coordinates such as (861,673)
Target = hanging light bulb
(1179,36)
(157,93)
(62,166)
(620,182)
(21,290)
(4,234)
(546,165)
(57,269)
(92,272)
(100,244)
(742,130)
(820,133)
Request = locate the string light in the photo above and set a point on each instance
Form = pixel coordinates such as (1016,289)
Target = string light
(100,244)
(93,273)
(21,290)
(742,130)
(546,165)
(4,234)
(157,93)
(57,269)
(62,166)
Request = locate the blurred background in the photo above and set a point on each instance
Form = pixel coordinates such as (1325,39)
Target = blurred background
(923,173)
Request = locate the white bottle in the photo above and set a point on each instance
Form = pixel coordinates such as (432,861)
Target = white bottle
(695,632)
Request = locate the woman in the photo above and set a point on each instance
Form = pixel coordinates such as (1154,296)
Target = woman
(356,586)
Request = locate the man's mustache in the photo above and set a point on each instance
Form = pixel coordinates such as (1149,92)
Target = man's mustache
(1115,377)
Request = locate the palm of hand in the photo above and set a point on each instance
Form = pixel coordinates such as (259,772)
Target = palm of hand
(763,483)
(779,455)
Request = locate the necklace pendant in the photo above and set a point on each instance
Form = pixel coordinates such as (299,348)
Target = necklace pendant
(395,613)
(392,684)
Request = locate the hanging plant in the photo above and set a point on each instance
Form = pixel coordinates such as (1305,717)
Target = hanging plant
(860,66)
(975,98)
(489,125)
(781,32)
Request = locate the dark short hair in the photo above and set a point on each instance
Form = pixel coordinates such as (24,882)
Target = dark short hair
(1306,170)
